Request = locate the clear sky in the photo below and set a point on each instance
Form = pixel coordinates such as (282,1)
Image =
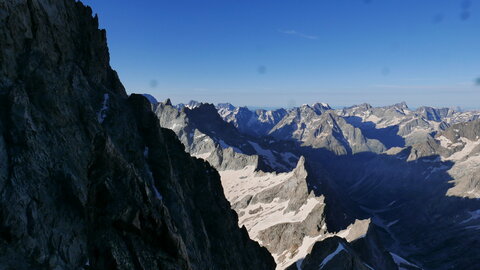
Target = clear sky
(289,52)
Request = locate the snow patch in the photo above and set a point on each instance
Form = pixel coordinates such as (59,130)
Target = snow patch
(261,216)
(268,156)
(151,181)
(401,261)
(238,184)
(102,114)
(466,151)
(473,216)
(444,141)
(392,223)
(203,155)
(327,259)
(156,192)
(266,153)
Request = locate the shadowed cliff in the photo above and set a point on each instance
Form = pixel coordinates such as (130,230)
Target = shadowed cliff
(88,179)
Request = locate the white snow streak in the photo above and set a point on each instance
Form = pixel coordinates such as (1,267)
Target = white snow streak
(102,114)
(339,249)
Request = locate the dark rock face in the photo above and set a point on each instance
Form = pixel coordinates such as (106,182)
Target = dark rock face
(366,252)
(435,114)
(88,178)
(372,252)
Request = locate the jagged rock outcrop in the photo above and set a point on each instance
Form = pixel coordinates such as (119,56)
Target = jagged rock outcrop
(206,135)
(331,253)
(365,252)
(370,249)
(88,178)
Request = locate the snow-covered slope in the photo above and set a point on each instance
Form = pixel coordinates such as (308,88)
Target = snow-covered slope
(280,213)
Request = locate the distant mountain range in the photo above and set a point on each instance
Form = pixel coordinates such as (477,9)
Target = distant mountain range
(299,176)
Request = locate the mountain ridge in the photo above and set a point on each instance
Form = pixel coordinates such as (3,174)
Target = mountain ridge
(403,188)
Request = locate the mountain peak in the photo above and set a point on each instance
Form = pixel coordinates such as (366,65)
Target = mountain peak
(401,105)
(191,104)
(227,106)
(244,109)
(300,169)
(321,104)
(203,108)
(321,107)
(364,106)
(301,162)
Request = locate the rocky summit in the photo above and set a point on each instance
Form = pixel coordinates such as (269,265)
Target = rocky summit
(89,180)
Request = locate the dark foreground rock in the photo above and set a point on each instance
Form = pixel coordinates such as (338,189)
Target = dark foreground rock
(88,179)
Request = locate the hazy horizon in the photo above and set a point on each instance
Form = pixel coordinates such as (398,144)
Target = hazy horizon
(290,106)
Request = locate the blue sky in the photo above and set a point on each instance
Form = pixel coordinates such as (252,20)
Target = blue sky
(283,53)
